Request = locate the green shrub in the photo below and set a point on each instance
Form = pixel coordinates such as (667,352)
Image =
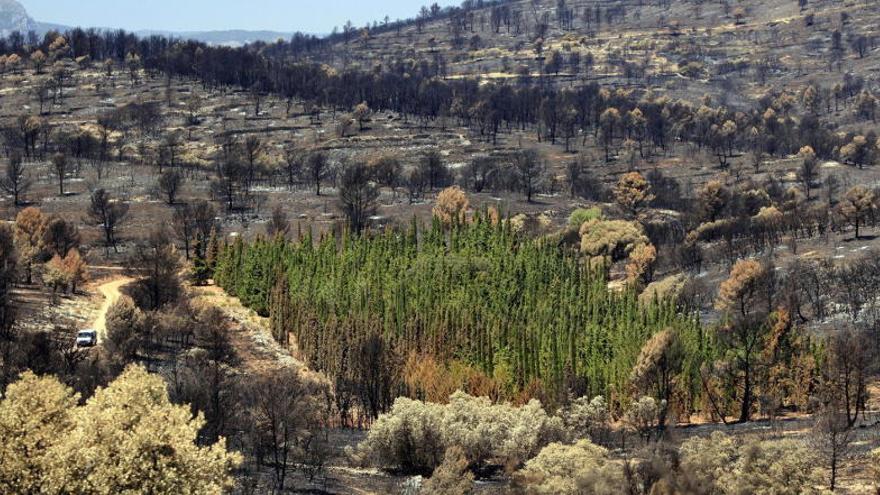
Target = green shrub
(581,216)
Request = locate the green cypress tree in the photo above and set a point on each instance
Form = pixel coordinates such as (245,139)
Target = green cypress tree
(280,309)
(212,252)
(201,272)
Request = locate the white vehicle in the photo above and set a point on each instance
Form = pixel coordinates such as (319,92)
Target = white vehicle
(87,338)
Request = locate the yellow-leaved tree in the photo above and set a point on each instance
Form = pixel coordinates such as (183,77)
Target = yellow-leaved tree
(739,291)
(633,192)
(128,438)
(452,205)
(35,413)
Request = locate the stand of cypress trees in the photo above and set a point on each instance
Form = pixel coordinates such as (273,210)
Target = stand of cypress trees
(476,293)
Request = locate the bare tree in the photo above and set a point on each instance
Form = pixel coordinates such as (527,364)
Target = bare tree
(531,171)
(833,438)
(15,181)
(433,170)
(479,172)
(59,166)
(279,224)
(387,170)
(358,195)
(294,164)
(60,237)
(318,168)
(8,329)
(808,172)
(847,372)
(231,185)
(182,223)
(42,90)
(284,418)
(108,214)
(204,218)
(252,150)
(169,185)
(156,265)
(257,96)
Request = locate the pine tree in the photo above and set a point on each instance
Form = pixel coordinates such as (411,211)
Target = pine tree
(280,310)
(212,253)
(201,270)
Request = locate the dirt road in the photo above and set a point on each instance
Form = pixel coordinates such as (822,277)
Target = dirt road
(111,292)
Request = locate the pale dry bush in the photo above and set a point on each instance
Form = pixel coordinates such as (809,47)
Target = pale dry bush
(531,225)
(667,288)
(571,470)
(588,418)
(414,435)
(777,467)
(641,263)
(708,231)
(407,438)
(709,461)
(611,239)
(633,191)
(725,465)
(643,416)
(769,217)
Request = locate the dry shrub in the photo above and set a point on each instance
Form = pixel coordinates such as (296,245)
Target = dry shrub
(725,465)
(588,418)
(581,216)
(611,239)
(452,477)
(670,287)
(128,434)
(570,470)
(641,264)
(633,192)
(769,217)
(414,436)
(452,205)
(428,379)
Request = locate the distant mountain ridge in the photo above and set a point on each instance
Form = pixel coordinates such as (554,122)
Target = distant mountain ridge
(231,37)
(14,17)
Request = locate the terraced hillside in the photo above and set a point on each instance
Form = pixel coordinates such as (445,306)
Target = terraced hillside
(733,51)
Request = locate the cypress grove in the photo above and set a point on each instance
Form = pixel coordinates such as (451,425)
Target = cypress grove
(476,292)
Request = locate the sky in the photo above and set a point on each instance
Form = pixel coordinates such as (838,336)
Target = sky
(311,16)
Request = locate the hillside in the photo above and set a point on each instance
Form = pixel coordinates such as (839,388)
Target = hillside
(524,247)
(684,49)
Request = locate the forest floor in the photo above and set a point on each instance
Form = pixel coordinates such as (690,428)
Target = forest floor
(253,343)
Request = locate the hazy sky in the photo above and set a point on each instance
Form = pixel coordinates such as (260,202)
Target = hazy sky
(313,16)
